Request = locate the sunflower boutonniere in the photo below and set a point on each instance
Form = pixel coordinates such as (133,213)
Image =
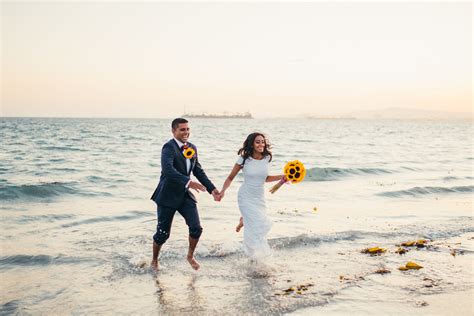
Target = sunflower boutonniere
(188,152)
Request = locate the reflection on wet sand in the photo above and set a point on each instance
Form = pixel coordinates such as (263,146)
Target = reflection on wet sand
(184,300)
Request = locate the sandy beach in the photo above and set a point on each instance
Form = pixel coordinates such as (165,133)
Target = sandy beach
(457,303)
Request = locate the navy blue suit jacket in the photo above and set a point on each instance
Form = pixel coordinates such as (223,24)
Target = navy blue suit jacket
(171,189)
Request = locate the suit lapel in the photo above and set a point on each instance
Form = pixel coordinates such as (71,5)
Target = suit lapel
(180,157)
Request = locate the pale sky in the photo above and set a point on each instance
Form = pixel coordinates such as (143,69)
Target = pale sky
(150,59)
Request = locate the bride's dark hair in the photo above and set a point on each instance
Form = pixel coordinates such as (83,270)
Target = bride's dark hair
(247,148)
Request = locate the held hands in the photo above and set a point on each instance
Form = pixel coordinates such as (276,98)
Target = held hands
(221,195)
(217,195)
(200,188)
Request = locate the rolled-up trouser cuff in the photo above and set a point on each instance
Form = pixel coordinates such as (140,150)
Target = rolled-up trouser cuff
(195,232)
(160,239)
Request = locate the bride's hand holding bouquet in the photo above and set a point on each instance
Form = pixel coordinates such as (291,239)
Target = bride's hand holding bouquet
(294,173)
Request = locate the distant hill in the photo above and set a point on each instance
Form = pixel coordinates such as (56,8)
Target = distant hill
(411,114)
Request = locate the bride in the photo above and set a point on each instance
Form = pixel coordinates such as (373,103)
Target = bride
(254,157)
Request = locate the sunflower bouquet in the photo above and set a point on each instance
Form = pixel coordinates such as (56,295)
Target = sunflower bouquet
(294,172)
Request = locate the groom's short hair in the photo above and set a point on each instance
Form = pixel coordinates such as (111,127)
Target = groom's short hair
(177,121)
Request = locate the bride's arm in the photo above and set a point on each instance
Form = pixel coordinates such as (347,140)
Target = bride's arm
(274,178)
(231,177)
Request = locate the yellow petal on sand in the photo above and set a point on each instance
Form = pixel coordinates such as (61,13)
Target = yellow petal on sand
(401,251)
(412,243)
(290,289)
(304,287)
(374,250)
(413,265)
(402,268)
(298,289)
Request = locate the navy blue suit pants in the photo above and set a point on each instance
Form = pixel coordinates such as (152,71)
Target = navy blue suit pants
(188,210)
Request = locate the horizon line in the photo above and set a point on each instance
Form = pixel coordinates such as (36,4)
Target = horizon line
(470,118)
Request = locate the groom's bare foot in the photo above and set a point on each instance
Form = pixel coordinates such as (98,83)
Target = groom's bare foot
(154,265)
(193,262)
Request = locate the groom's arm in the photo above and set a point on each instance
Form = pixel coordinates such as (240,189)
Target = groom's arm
(202,177)
(167,157)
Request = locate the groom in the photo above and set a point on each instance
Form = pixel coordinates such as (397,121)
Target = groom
(173,191)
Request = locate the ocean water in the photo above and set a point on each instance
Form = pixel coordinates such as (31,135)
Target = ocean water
(77,222)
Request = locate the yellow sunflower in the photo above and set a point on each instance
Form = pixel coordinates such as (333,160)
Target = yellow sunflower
(294,171)
(189,152)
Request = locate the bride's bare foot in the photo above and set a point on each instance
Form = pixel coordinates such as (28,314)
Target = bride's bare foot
(193,262)
(239,226)
(154,265)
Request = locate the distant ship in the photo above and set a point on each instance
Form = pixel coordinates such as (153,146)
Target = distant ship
(245,115)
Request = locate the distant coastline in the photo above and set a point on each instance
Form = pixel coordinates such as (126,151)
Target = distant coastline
(331,117)
(245,115)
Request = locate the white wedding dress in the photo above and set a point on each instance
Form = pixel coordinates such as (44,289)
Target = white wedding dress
(251,199)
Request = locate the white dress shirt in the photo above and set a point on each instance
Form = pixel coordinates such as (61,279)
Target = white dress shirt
(188,161)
